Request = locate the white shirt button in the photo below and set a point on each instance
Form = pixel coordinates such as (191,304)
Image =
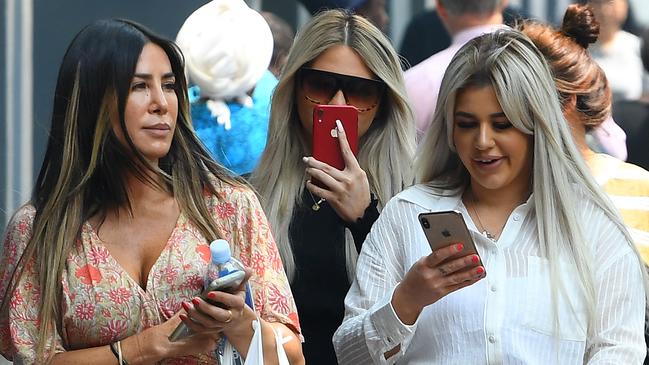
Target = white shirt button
(492,339)
(517,217)
(493,288)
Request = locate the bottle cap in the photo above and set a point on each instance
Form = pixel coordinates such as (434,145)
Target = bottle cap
(220,250)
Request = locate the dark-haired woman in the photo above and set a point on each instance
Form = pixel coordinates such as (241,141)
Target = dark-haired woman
(109,255)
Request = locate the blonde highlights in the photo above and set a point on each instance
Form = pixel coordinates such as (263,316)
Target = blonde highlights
(509,62)
(385,151)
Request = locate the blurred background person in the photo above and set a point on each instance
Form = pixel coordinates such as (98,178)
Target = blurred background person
(228,49)
(282,40)
(633,117)
(586,102)
(426,34)
(373,10)
(617,51)
(337,59)
(464,20)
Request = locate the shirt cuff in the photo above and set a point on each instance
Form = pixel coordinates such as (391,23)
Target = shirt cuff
(389,328)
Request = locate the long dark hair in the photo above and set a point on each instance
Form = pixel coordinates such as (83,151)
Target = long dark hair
(85,164)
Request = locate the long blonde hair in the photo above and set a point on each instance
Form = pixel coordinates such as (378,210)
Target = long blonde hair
(84,167)
(508,61)
(385,151)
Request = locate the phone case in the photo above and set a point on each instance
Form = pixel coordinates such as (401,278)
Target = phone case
(325,145)
(447,227)
(226,284)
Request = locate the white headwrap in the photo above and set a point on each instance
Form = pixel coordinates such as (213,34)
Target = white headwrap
(227,48)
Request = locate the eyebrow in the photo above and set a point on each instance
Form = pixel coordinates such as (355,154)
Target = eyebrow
(168,75)
(469,115)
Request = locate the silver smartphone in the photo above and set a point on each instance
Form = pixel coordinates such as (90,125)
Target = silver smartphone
(227,283)
(445,228)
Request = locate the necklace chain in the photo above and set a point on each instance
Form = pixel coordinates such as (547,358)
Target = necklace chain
(485,232)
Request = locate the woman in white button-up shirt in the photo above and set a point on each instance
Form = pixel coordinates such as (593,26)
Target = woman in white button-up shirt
(561,281)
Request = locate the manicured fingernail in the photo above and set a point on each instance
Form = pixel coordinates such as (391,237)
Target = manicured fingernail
(475,259)
(305,159)
(183,317)
(211,295)
(479,271)
(339,125)
(459,247)
(186,306)
(196,301)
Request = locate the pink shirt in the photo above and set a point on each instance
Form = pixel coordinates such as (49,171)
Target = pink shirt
(101,303)
(423,81)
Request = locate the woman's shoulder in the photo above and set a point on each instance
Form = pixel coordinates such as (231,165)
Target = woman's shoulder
(19,230)
(226,192)
(428,196)
(22,219)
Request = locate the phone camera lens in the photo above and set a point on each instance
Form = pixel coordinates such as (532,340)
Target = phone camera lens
(424,222)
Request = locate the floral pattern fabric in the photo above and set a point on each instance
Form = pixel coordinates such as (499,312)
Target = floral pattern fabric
(101,303)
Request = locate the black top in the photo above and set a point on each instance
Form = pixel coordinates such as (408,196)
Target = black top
(321,283)
(633,117)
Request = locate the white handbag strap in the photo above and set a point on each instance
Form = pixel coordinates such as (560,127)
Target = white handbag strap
(255,350)
(281,354)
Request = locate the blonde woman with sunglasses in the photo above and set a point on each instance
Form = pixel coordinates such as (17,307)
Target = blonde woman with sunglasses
(337,58)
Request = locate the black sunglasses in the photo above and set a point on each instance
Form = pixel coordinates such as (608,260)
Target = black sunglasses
(320,86)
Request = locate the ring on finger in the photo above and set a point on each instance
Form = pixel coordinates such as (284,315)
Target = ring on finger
(229,317)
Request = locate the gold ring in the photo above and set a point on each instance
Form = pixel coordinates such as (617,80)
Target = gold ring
(229,318)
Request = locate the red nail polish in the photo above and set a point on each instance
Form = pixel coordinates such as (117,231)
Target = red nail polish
(185,306)
(475,259)
(459,247)
(196,301)
(480,270)
(211,295)
(183,317)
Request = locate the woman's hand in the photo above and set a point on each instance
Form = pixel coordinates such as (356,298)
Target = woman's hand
(205,317)
(207,322)
(347,191)
(432,278)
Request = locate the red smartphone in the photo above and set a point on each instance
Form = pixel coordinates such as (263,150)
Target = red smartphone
(325,146)
(447,227)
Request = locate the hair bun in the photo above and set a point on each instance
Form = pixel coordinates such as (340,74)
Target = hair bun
(579,23)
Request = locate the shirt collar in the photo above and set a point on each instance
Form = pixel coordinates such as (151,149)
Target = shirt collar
(431,198)
(434,199)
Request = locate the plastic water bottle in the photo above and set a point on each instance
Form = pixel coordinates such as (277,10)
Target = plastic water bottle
(224,264)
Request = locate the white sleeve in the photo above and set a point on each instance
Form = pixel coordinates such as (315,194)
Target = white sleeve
(371,327)
(618,334)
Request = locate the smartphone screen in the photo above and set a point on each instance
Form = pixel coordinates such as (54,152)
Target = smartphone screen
(325,146)
(445,228)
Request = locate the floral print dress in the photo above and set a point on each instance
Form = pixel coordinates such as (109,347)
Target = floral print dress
(101,303)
